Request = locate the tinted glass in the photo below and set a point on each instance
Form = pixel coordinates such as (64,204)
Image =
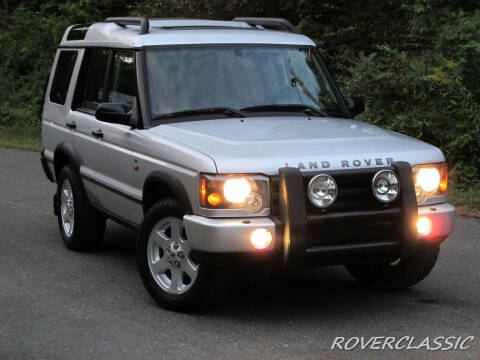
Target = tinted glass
(94,91)
(123,82)
(78,32)
(236,76)
(63,74)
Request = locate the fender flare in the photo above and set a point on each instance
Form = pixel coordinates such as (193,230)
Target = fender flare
(66,150)
(168,181)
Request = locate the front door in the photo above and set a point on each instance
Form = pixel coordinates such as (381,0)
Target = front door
(107,161)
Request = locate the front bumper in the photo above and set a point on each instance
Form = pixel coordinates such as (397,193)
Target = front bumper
(442,217)
(225,235)
(233,235)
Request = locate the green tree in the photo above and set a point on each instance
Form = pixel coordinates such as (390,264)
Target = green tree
(415,62)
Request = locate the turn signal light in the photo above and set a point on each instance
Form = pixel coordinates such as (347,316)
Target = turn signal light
(261,238)
(424,226)
(215,199)
(444,185)
(203,190)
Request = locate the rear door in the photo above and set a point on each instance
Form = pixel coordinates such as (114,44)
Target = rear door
(58,97)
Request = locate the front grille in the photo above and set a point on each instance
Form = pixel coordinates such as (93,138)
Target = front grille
(356,214)
(354,192)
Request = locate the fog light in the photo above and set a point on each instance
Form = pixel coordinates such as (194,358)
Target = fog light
(424,226)
(261,239)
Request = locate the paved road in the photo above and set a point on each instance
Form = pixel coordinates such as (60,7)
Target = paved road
(56,304)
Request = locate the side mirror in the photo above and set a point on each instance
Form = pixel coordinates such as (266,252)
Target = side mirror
(114,113)
(355,105)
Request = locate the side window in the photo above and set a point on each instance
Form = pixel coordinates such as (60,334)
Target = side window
(122,87)
(95,75)
(63,74)
(108,76)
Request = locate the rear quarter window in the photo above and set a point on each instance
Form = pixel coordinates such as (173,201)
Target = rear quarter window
(63,75)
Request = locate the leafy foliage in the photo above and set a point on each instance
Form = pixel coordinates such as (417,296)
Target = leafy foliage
(415,62)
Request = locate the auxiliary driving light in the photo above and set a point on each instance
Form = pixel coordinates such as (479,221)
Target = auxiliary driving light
(322,190)
(424,226)
(261,238)
(385,186)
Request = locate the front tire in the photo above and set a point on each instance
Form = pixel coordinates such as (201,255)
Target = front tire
(82,227)
(403,273)
(171,276)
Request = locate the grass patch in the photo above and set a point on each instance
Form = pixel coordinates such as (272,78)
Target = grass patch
(466,201)
(20,138)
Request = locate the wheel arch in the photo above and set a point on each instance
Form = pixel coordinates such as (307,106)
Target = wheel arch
(64,154)
(161,185)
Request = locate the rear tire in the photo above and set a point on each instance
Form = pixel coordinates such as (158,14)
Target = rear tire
(171,276)
(82,227)
(401,274)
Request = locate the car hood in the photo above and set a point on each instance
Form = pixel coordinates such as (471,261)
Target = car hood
(265,144)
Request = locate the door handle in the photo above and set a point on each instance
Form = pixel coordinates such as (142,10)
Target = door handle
(97,133)
(72,125)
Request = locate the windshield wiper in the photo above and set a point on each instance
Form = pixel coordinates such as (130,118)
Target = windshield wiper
(307,109)
(220,110)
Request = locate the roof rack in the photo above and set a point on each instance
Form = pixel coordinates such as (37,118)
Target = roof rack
(124,21)
(255,22)
(275,22)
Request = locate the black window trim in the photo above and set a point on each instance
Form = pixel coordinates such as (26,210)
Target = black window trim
(79,92)
(49,84)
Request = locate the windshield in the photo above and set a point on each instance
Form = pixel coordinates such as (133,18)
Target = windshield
(236,77)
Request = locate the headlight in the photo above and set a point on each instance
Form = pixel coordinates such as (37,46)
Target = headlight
(430,180)
(235,192)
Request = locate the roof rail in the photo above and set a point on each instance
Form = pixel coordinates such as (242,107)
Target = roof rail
(124,21)
(279,22)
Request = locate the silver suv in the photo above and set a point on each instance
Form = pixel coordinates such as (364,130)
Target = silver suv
(227,144)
